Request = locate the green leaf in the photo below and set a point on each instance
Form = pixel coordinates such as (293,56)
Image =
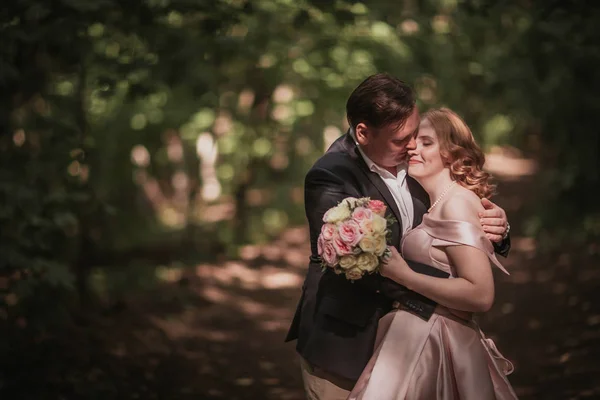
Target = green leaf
(56,273)
(88,5)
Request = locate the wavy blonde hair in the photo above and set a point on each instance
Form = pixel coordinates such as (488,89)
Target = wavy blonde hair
(461,154)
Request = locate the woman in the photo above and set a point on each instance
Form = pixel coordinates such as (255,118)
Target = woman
(447,357)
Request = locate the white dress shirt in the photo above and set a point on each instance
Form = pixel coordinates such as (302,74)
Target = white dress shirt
(397,185)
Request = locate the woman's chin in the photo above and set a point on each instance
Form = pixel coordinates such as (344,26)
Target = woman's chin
(413,171)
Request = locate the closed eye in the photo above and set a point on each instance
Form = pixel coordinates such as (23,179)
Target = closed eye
(400,142)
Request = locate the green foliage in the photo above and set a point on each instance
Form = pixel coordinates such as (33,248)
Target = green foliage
(126,121)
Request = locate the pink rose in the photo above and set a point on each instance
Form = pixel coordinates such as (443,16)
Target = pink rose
(342,248)
(328,253)
(327,231)
(320,245)
(349,232)
(378,207)
(361,214)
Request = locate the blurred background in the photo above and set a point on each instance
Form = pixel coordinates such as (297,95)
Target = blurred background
(152,156)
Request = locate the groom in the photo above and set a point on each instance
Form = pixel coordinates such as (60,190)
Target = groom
(336,320)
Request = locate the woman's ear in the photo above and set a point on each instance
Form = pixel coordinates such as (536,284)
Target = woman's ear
(446,159)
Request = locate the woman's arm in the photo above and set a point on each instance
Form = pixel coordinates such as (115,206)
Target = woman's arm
(472,291)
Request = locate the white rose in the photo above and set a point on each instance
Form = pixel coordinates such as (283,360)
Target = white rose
(353,202)
(337,214)
(381,246)
(350,202)
(366,226)
(368,243)
(379,224)
(347,262)
(367,262)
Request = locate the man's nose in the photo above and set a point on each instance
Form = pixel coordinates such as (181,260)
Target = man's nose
(412,144)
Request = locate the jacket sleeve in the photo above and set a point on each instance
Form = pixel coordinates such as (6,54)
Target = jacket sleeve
(503,247)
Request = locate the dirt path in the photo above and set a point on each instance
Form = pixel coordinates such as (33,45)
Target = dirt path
(546,319)
(216,331)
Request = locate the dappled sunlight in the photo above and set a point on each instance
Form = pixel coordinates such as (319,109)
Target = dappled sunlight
(291,247)
(216,212)
(303,146)
(151,189)
(297,258)
(214,294)
(283,94)
(297,195)
(409,26)
(223,123)
(296,236)
(272,252)
(19,137)
(509,165)
(526,245)
(245,100)
(274,325)
(180,328)
(258,197)
(252,278)
(330,134)
(140,156)
(169,274)
(171,218)
(174,147)
(250,252)
(520,276)
(170,209)
(426,87)
(274,279)
(207,150)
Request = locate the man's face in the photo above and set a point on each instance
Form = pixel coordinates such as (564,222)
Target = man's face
(388,147)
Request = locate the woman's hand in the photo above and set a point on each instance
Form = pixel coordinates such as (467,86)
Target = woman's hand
(395,268)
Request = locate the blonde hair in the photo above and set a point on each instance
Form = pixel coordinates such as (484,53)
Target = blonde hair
(461,154)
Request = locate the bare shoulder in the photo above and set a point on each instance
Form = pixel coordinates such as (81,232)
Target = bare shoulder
(462,205)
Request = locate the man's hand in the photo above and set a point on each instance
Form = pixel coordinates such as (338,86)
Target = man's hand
(493,220)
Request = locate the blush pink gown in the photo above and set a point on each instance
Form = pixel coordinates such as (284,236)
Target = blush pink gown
(447,357)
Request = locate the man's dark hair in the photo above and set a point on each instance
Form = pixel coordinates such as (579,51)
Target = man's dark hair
(380,101)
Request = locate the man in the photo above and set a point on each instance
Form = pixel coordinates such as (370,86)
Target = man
(336,320)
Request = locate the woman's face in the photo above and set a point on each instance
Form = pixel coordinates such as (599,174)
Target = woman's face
(425,160)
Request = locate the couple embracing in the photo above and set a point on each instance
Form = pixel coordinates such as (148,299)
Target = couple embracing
(406,332)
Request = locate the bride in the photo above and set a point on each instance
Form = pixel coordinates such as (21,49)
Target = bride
(446,357)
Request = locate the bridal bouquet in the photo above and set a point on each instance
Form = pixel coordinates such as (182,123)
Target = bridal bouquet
(353,239)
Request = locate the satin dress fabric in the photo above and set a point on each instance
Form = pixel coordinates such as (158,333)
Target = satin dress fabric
(447,357)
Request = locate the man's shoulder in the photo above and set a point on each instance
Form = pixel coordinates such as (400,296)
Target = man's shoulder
(338,163)
(334,158)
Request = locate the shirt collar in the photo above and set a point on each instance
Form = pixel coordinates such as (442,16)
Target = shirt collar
(401,169)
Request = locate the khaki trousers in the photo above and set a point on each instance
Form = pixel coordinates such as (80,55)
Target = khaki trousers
(321,385)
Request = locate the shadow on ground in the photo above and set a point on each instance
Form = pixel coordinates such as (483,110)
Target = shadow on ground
(216,331)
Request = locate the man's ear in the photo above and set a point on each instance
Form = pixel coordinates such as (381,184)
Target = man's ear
(362,134)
